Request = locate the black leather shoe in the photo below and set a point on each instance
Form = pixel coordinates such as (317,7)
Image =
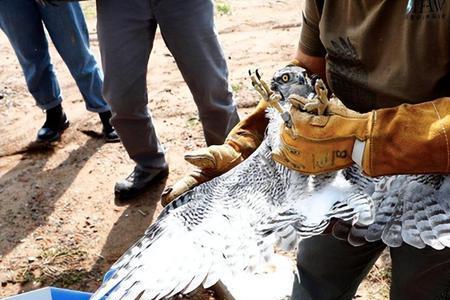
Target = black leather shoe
(137,182)
(52,128)
(110,135)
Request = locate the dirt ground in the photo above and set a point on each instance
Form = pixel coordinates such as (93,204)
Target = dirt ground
(59,222)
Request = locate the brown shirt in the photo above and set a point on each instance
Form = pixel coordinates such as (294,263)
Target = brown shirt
(381,53)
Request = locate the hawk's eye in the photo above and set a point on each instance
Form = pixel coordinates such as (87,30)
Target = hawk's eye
(285,78)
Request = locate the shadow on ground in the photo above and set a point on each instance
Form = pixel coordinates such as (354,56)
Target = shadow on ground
(29,191)
(129,227)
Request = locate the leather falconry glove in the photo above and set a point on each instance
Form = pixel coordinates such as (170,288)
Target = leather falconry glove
(407,139)
(214,161)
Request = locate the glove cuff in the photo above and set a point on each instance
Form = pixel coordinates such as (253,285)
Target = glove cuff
(249,133)
(358,152)
(409,139)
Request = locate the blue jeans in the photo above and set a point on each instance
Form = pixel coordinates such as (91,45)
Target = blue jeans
(23,20)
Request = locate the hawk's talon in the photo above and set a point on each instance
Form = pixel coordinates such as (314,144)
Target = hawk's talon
(273,99)
(322,97)
(257,74)
(318,104)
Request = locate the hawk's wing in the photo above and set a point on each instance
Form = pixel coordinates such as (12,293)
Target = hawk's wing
(414,210)
(210,236)
(311,213)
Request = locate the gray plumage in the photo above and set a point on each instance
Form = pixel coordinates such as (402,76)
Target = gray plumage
(231,223)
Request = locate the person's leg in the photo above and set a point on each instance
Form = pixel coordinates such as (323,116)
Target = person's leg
(126,31)
(21,21)
(67,28)
(188,31)
(330,269)
(420,274)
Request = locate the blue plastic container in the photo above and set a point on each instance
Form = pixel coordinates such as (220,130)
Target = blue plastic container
(50,293)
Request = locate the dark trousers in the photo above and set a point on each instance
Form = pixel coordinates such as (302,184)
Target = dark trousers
(331,269)
(126,30)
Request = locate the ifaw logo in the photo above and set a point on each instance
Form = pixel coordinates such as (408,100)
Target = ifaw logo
(426,9)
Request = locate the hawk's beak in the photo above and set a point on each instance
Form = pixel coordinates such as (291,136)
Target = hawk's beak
(274,87)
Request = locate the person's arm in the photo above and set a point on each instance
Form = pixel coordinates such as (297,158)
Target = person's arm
(407,139)
(310,51)
(313,64)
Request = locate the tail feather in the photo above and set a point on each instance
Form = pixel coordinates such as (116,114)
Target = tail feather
(392,232)
(410,232)
(356,235)
(439,221)
(424,225)
(382,217)
(364,206)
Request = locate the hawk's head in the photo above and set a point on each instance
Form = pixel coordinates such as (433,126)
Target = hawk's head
(292,80)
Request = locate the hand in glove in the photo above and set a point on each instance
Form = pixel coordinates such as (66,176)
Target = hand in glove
(326,136)
(210,162)
(214,161)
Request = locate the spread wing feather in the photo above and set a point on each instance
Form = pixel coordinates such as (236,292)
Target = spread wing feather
(207,234)
(183,260)
(413,209)
(410,232)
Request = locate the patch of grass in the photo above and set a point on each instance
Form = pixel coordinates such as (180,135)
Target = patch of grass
(58,266)
(89,9)
(381,274)
(379,279)
(236,87)
(192,122)
(223,8)
(66,279)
